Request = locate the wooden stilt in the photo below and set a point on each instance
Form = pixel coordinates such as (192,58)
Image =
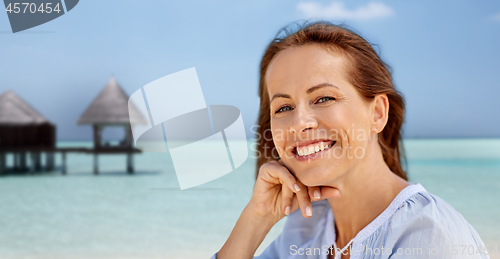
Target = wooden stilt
(22,161)
(130,163)
(49,161)
(96,164)
(32,162)
(3,161)
(63,163)
(38,161)
(16,161)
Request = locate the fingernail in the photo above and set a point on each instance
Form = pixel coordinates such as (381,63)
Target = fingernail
(309,211)
(287,210)
(296,186)
(316,195)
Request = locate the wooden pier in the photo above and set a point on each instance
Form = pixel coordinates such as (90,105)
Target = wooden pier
(33,155)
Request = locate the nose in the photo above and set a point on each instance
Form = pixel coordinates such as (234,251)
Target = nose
(303,119)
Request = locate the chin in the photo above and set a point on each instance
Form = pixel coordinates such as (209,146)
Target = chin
(314,177)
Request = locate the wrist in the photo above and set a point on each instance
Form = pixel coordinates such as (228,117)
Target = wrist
(247,235)
(260,216)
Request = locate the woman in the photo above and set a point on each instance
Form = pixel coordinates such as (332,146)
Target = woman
(329,159)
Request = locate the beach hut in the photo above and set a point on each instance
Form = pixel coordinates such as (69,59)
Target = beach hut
(110,108)
(24,130)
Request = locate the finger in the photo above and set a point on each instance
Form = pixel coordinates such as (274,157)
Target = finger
(314,193)
(286,199)
(328,192)
(280,162)
(280,174)
(304,200)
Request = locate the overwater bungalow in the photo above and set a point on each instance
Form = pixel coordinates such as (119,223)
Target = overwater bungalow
(110,109)
(24,131)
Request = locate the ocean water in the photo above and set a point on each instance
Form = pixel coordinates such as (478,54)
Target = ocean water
(146,215)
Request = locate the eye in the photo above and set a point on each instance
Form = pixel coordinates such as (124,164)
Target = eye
(283,109)
(324,99)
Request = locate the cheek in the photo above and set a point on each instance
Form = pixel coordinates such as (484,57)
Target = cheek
(335,121)
(358,133)
(278,133)
(353,124)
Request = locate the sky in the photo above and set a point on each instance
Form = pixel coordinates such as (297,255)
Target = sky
(445,55)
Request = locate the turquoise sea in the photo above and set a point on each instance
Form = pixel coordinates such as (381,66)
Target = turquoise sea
(146,215)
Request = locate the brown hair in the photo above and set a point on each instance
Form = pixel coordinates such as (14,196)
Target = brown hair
(365,71)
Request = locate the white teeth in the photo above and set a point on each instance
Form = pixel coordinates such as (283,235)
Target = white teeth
(312,149)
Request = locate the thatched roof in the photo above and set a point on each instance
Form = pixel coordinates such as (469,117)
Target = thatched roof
(111,107)
(15,111)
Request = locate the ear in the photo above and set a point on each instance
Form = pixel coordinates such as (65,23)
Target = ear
(380,108)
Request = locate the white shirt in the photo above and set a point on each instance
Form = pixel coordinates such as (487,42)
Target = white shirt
(417,224)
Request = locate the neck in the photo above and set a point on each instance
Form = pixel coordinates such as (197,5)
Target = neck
(366,191)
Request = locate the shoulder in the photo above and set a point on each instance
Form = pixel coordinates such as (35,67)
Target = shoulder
(426,221)
(427,212)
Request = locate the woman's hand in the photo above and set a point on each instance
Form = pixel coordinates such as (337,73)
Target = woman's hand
(278,193)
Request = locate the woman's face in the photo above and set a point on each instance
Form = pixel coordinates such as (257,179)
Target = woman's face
(321,126)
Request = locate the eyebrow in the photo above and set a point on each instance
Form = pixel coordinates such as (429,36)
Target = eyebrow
(309,91)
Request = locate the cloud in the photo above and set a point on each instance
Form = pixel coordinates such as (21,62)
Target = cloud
(495,17)
(336,10)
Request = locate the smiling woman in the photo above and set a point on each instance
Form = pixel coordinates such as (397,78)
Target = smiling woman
(329,159)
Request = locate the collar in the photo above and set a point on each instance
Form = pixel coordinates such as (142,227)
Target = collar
(367,231)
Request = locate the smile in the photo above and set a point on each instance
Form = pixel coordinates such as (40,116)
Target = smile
(313,150)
